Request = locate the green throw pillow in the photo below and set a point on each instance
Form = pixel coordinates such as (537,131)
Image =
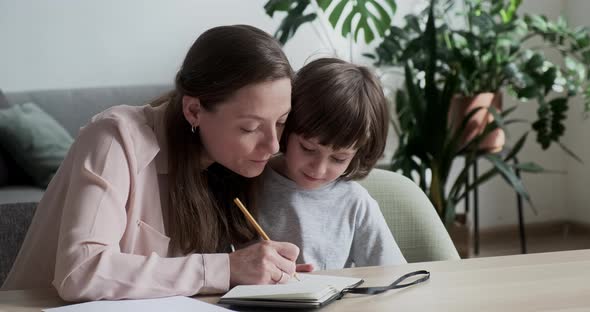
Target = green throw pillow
(34,139)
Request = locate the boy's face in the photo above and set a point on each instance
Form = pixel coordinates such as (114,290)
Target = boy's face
(312,165)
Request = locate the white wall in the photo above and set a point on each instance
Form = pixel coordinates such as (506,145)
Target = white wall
(578,133)
(497,200)
(65,43)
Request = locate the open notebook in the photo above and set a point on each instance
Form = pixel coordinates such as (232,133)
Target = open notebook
(311,291)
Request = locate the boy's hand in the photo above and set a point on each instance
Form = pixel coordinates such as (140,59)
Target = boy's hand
(305,267)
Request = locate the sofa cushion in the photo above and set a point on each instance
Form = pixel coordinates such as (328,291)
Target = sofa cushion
(73,108)
(34,139)
(3,100)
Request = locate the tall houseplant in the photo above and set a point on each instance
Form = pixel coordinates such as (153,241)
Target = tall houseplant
(489,53)
(484,55)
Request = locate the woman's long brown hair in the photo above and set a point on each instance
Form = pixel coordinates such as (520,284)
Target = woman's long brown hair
(201,215)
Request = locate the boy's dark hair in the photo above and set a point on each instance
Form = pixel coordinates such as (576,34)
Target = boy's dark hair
(342,105)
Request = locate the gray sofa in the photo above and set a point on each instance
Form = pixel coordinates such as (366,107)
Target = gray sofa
(72,108)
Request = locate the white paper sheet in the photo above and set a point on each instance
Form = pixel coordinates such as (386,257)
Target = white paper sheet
(177,304)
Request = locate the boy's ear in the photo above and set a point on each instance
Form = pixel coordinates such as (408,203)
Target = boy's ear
(191,108)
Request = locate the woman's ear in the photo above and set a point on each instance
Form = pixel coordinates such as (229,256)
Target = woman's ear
(191,108)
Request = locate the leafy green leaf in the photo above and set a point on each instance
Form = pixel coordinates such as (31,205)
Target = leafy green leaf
(530,167)
(537,22)
(337,13)
(509,13)
(382,21)
(273,6)
(570,152)
(509,175)
(535,62)
(294,19)
(517,147)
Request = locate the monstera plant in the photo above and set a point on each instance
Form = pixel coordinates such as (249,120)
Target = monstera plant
(366,12)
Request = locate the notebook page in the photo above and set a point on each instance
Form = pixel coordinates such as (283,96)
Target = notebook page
(311,287)
(301,290)
(337,282)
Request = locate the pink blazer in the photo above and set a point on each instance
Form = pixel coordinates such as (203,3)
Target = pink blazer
(98,232)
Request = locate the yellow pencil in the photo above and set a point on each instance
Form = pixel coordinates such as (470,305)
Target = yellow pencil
(254,223)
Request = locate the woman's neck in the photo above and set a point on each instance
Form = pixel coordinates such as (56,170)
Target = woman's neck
(279,164)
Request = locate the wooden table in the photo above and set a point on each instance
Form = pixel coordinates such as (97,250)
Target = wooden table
(558,281)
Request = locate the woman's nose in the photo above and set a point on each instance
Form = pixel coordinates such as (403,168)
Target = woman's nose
(271,142)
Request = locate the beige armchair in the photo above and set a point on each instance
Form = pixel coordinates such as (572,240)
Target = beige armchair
(411,217)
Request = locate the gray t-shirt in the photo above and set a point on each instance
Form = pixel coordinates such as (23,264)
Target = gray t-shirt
(336,226)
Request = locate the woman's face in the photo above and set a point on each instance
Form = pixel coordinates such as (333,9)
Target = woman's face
(243,132)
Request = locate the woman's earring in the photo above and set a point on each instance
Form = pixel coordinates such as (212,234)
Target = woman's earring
(192,129)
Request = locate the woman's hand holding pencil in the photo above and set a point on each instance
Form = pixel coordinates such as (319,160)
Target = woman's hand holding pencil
(267,262)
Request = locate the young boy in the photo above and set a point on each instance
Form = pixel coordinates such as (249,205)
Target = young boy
(335,133)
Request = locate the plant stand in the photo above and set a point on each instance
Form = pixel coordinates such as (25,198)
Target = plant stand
(522,234)
(460,233)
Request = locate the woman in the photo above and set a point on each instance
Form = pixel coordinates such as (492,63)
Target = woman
(141,206)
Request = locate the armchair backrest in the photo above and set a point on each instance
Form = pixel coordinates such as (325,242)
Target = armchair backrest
(411,217)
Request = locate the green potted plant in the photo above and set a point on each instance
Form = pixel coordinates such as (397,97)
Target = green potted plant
(490,54)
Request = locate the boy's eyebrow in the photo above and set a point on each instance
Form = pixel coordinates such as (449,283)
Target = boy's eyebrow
(345,153)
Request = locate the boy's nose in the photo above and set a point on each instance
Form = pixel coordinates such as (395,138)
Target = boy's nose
(318,168)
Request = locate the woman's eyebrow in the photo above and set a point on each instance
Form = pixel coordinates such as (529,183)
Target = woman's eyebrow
(253,116)
(250,116)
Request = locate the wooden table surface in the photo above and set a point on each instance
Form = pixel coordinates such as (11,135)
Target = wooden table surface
(557,281)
